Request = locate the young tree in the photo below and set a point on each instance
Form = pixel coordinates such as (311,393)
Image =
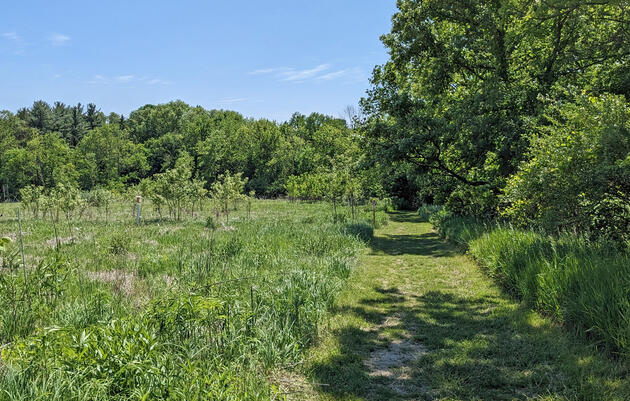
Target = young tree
(176,188)
(65,198)
(31,196)
(228,188)
(100,198)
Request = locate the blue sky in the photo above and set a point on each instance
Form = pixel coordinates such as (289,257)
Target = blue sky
(261,58)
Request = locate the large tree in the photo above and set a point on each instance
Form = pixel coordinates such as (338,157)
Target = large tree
(466,80)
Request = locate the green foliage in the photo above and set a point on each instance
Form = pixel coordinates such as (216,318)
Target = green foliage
(426,211)
(119,244)
(99,198)
(581,283)
(578,175)
(176,188)
(308,186)
(458,229)
(363,230)
(31,197)
(4,241)
(466,84)
(27,297)
(66,198)
(109,157)
(44,146)
(228,188)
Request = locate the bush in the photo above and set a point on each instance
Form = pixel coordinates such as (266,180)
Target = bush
(460,230)
(578,173)
(426,211)
(118,244)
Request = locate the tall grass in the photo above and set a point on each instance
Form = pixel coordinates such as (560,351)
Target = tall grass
(426,211)
(582,284)
(172,310)
(460,230)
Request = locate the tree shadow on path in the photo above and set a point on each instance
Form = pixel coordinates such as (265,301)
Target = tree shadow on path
(459,348)
(443,344)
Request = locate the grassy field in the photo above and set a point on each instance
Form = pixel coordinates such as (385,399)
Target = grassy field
(422,321)
(191,309)
(240,309)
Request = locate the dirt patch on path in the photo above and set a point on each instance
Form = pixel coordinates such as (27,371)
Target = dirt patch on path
(393,360)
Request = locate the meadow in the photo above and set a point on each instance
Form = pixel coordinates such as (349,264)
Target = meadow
(206,307)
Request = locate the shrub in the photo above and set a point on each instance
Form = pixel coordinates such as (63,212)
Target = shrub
(426,211)
(578,173)
(458,229)
(118,244)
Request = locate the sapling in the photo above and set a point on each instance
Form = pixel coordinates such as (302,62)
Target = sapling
(352,192)
(100,198)
(31,196)
(228,188)
(175,188)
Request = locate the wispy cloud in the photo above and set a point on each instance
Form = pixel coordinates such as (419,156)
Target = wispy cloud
(233,100)
(126,79)
(157,81)
(302,75)
(264,71)
(322,72)
(58,39)
(97,79)
(348,74)
(12,36)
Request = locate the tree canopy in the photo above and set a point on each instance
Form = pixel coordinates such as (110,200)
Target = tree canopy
(466,84)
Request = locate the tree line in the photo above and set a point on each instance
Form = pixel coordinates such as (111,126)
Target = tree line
(47,149)
(509,109)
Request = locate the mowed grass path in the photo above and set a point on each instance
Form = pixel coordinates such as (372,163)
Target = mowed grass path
(420,320)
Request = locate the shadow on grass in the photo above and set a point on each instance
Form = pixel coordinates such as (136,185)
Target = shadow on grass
(405,217)
(426,244)
(467,348)
(472,348)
